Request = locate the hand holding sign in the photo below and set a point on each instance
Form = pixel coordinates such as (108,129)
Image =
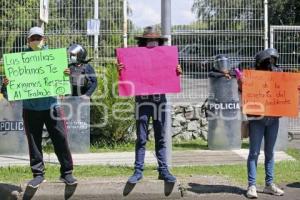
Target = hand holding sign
(5,81)
(36,74)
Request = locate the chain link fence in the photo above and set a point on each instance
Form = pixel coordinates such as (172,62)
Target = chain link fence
(67,24)
(232,27)
(287,40)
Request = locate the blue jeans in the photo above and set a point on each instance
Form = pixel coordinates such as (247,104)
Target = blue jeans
(266,128)
(144,112)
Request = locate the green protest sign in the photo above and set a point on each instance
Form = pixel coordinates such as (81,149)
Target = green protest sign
(36,74)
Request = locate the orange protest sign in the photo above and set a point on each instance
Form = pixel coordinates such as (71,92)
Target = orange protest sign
(270,93)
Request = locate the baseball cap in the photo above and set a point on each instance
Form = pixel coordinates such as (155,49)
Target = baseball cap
(35,31)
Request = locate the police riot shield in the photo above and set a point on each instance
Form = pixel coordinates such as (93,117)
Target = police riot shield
(12,135)
(224,114)
(77,115)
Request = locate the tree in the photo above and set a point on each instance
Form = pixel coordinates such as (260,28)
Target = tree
(16,17)
(234,26)
(228,14)
(67,24)
(284,12)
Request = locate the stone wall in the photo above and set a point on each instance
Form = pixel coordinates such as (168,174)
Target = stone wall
(188,122)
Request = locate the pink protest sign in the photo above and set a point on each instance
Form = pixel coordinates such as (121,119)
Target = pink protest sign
(148,70)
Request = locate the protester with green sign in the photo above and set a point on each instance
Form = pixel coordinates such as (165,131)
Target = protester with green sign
(37,77)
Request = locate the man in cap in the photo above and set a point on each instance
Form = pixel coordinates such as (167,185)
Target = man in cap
(40,111)
(151,106)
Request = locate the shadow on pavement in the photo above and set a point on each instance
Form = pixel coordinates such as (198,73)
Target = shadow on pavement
(128,188)
(294,185)
(8,191)
(168,188)
(206,189)
(29,193)
(70,190)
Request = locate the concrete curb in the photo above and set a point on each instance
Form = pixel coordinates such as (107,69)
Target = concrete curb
(180,158)
(150,189)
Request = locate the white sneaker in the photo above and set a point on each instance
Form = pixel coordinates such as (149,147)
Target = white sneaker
(251,192)
(273,189)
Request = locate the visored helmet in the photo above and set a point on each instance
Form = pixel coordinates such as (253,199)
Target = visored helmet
(273,52)
(78,51)
(267,57)
(222,63)
(261,56)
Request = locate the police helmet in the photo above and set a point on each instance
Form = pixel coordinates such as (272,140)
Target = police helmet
(79,51)
(222,63)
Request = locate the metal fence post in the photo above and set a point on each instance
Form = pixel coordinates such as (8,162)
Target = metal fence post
(125,28)
(271,37)
(96,36)
(266,20)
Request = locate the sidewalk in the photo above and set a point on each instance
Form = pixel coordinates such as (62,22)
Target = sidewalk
(189,188)
(179,158)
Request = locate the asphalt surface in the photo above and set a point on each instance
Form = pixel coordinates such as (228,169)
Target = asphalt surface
(193,187)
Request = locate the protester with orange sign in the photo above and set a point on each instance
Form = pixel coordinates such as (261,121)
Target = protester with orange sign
(263,127)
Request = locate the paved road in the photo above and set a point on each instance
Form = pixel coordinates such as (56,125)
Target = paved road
(189,188)
(221,192)
(294,144)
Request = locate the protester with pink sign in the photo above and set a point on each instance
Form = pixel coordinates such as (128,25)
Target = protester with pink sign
(152,71)
(148,70)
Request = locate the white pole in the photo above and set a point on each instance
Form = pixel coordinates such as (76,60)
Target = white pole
(166,32)
(96,36)
(125,29)
(266,24)
(166,19)
(271,37)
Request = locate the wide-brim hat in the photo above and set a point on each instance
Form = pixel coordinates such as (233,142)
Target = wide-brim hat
(150,33)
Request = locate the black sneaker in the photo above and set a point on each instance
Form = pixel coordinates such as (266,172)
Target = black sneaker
(68,179)
(36,181)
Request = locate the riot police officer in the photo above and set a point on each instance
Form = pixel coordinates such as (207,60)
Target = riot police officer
(82,74)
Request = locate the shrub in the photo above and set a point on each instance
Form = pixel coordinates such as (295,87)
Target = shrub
(117,129)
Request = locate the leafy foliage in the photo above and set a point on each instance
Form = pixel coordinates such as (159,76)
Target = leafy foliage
(284,12)
(108,107)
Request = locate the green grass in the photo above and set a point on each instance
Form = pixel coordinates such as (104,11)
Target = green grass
(197,144)
(295,153)
(285,172)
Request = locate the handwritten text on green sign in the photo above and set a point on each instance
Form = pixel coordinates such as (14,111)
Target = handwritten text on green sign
(36,74)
